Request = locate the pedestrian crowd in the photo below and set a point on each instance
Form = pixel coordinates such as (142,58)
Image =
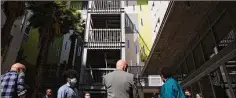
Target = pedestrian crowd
(119,84)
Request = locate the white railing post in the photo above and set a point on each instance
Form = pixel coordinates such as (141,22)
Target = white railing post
(90,3)
(122,31)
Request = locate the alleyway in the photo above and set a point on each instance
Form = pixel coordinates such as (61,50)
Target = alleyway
(196,40)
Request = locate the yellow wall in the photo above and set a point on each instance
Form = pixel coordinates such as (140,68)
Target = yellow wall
(145,29)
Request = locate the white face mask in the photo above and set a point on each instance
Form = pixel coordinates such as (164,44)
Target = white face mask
(72,82)
(21,72)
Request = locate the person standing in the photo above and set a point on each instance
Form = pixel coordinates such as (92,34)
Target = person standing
(119,84)
(188,93)
(199,95)
(86,95)
(12,82)
(69,89)
(170,88)
(48,93)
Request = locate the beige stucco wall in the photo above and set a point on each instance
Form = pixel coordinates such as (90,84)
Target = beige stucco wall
(15,42)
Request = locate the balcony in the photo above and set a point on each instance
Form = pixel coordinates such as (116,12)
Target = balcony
(104,38)
(101,21)
(105,6)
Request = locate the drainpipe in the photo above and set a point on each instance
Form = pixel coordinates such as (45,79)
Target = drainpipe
(106,62)
(74,55)
(73,61)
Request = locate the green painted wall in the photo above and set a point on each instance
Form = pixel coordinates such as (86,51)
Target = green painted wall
(55,51)
(31,48)
(144,25)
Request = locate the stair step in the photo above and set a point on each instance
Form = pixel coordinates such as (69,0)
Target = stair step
(231,63)
(92,87)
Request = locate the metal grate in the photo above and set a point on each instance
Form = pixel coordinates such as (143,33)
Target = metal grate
(104,38)
(154,80)
(227,39)
(106,6)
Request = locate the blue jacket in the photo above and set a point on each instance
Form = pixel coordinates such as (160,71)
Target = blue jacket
(171,89)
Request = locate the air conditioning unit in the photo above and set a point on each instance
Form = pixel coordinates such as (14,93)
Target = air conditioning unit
(154,80)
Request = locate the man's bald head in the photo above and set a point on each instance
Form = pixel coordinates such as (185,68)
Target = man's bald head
(121,64)
(49,92)
(17,67)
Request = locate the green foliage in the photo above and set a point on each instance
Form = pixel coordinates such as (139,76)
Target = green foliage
(42,13)
(56,14)
(143,56)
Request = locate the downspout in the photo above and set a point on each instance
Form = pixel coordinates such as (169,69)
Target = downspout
(73,61)
(168,11)
(106,62)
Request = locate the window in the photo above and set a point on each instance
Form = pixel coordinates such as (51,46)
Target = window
(127,21)
(140,7)
(158,20)
(141,21)
(79,51)
(65,45)
(27,30)
(23,22)
(127,43)
(136,49)
(26,34)
(134,7)
(155,28)
(153,4)
(57,52)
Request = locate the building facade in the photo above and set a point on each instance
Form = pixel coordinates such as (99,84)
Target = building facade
(104,43)
(146,17)
(118,30)
(17,32)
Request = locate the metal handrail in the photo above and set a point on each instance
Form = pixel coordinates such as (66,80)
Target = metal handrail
(97,74)
(104,35)
(105,6)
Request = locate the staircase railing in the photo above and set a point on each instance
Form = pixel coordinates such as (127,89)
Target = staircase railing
(230,37)
(105,6)
(104,38)
(95,75)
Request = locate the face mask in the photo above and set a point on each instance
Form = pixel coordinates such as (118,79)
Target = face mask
(72,82)
(21,72)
